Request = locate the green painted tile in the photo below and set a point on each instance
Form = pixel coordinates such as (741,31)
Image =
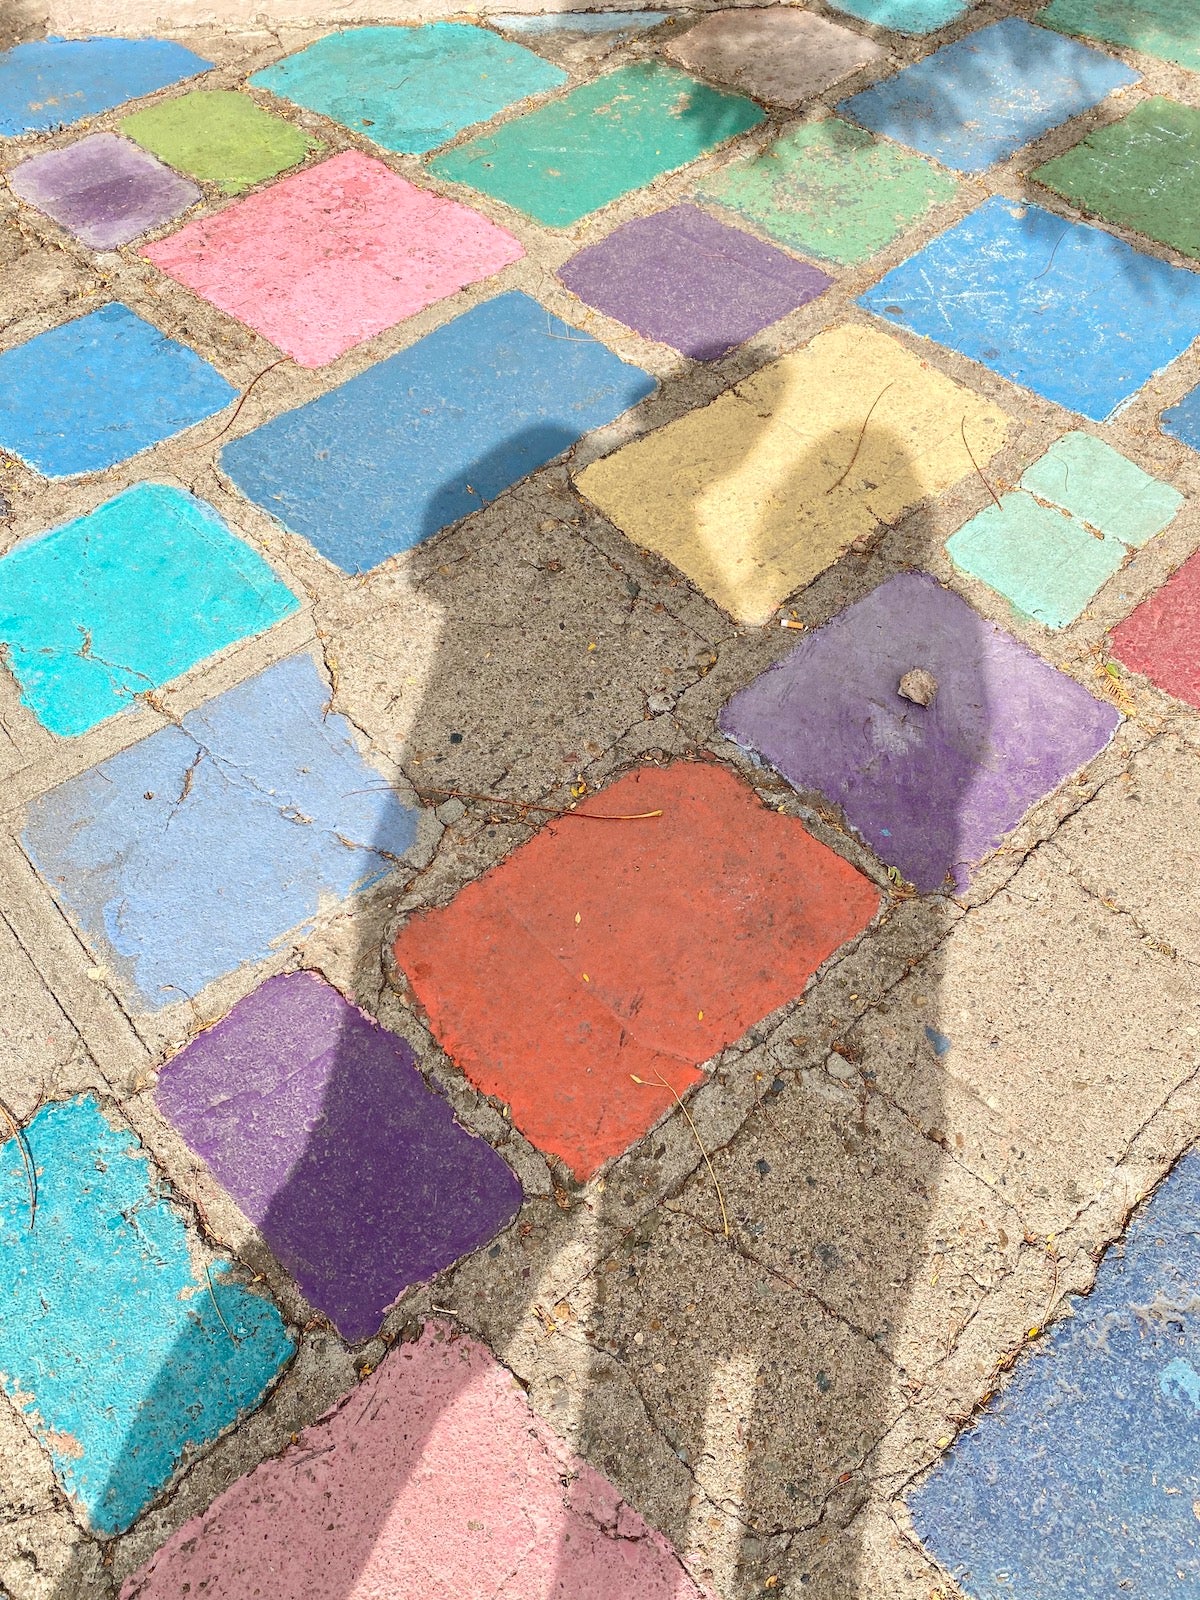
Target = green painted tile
(831,190)
(1166,28)
(219,136)
(1103,488)
(1142,172)
(605,138)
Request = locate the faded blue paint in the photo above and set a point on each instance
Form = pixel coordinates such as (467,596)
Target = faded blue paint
(428,436)
(1073,313)
(1080,1480)
(622,23)
(125,599)
(905,16)
(977,101)
(1182,421)
(93,392)
(111,1341)
(50,83)
(199,848)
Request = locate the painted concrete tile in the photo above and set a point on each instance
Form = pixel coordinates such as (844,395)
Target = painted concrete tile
(1071,312)
(1079,1480)
(331,256)
(831,190)
(219,136)
(431,434)
(1141,172)
(1161,639)
(198,848)
(584,986)
(1102,487)
(1166,28)
(104,189)
(905,16)
(93,392)
(754,495)
(689,281)
(932,789)
(779,56)
(126,598)
(51,83)
(453,75)
(438,1480)
(977,101)
(623,24)
(1182,421)
(598,142)
(320,1125)
(121,1345)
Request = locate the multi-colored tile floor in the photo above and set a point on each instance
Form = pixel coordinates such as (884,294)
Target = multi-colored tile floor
(599,797)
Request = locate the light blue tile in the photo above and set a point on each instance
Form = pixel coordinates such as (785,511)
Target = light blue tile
(50,83)
(1103,488)
(905,16)
(1182,421)
(622,23)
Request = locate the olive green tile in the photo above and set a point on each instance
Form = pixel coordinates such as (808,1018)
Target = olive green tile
(220,137)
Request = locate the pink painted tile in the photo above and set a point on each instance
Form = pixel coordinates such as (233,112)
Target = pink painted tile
(325,259)
(433,1478)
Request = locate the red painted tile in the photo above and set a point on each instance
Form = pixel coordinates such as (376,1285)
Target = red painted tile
(1162,637)
(602,951)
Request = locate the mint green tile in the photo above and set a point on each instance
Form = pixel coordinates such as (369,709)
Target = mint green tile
(1169,29)
(1103,488)
(831,190)
(615,134)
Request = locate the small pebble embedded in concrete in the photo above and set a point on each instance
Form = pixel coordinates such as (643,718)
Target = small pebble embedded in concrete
(1169,29)
(1161,639)
(51,83)
(780,56)
(919,686)
(220,137)
(104,189)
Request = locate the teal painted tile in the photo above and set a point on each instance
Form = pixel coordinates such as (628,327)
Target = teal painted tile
(905,16)
(1103,488)
(126,598)
(123,1348)
(410,89)
(605,138)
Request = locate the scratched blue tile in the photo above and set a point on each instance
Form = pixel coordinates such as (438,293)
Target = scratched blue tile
(905,16)
(50,83)
(1182,421)
(434,433)
(123,1347)
(977,101)
(93,392)
(1069,311)
(199,848)
(1081,1479)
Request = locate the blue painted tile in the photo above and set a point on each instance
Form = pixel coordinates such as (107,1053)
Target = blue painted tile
(197,849)
(112,1341)
(905,16)
(93,392)
(125,599)
(434,433)
(1080,1480)
(1182,421)
(1075,314)
(977,101)
(53,82)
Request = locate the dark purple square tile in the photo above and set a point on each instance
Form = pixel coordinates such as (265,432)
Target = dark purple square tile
(931,789)
(104,189)
(689,281)
(321,1127)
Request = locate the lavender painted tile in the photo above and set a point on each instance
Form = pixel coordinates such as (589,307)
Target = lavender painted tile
(319,1124)
(689,281)
(931,789)
(105,190)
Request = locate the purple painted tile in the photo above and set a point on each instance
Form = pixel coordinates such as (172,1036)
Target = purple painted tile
(104,189)
(321,1127)
(689,281)
(931,789)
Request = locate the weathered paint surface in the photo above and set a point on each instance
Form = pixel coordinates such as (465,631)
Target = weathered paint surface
(605,138)
(319,1124)
(195,850)
(1166,28)
(1162,637)
(1075,314)
(96,391)
(126,598)
(1182,421)
(1102,487)
(754,495)
(50,83)
(689,281)
(622,24)
(485,400)
(977,101)
(104,189)
(452,75)
(1079,1481)
(120,1344)
(932,789)
(568,973)
(831,190)
(219,136)
(331,256)
(779,56)
(905,16)
(458,1488)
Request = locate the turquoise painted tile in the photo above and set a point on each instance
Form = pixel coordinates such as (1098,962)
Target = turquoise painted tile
(905,16)
(122,1346)
(125,599)
(1103,488)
